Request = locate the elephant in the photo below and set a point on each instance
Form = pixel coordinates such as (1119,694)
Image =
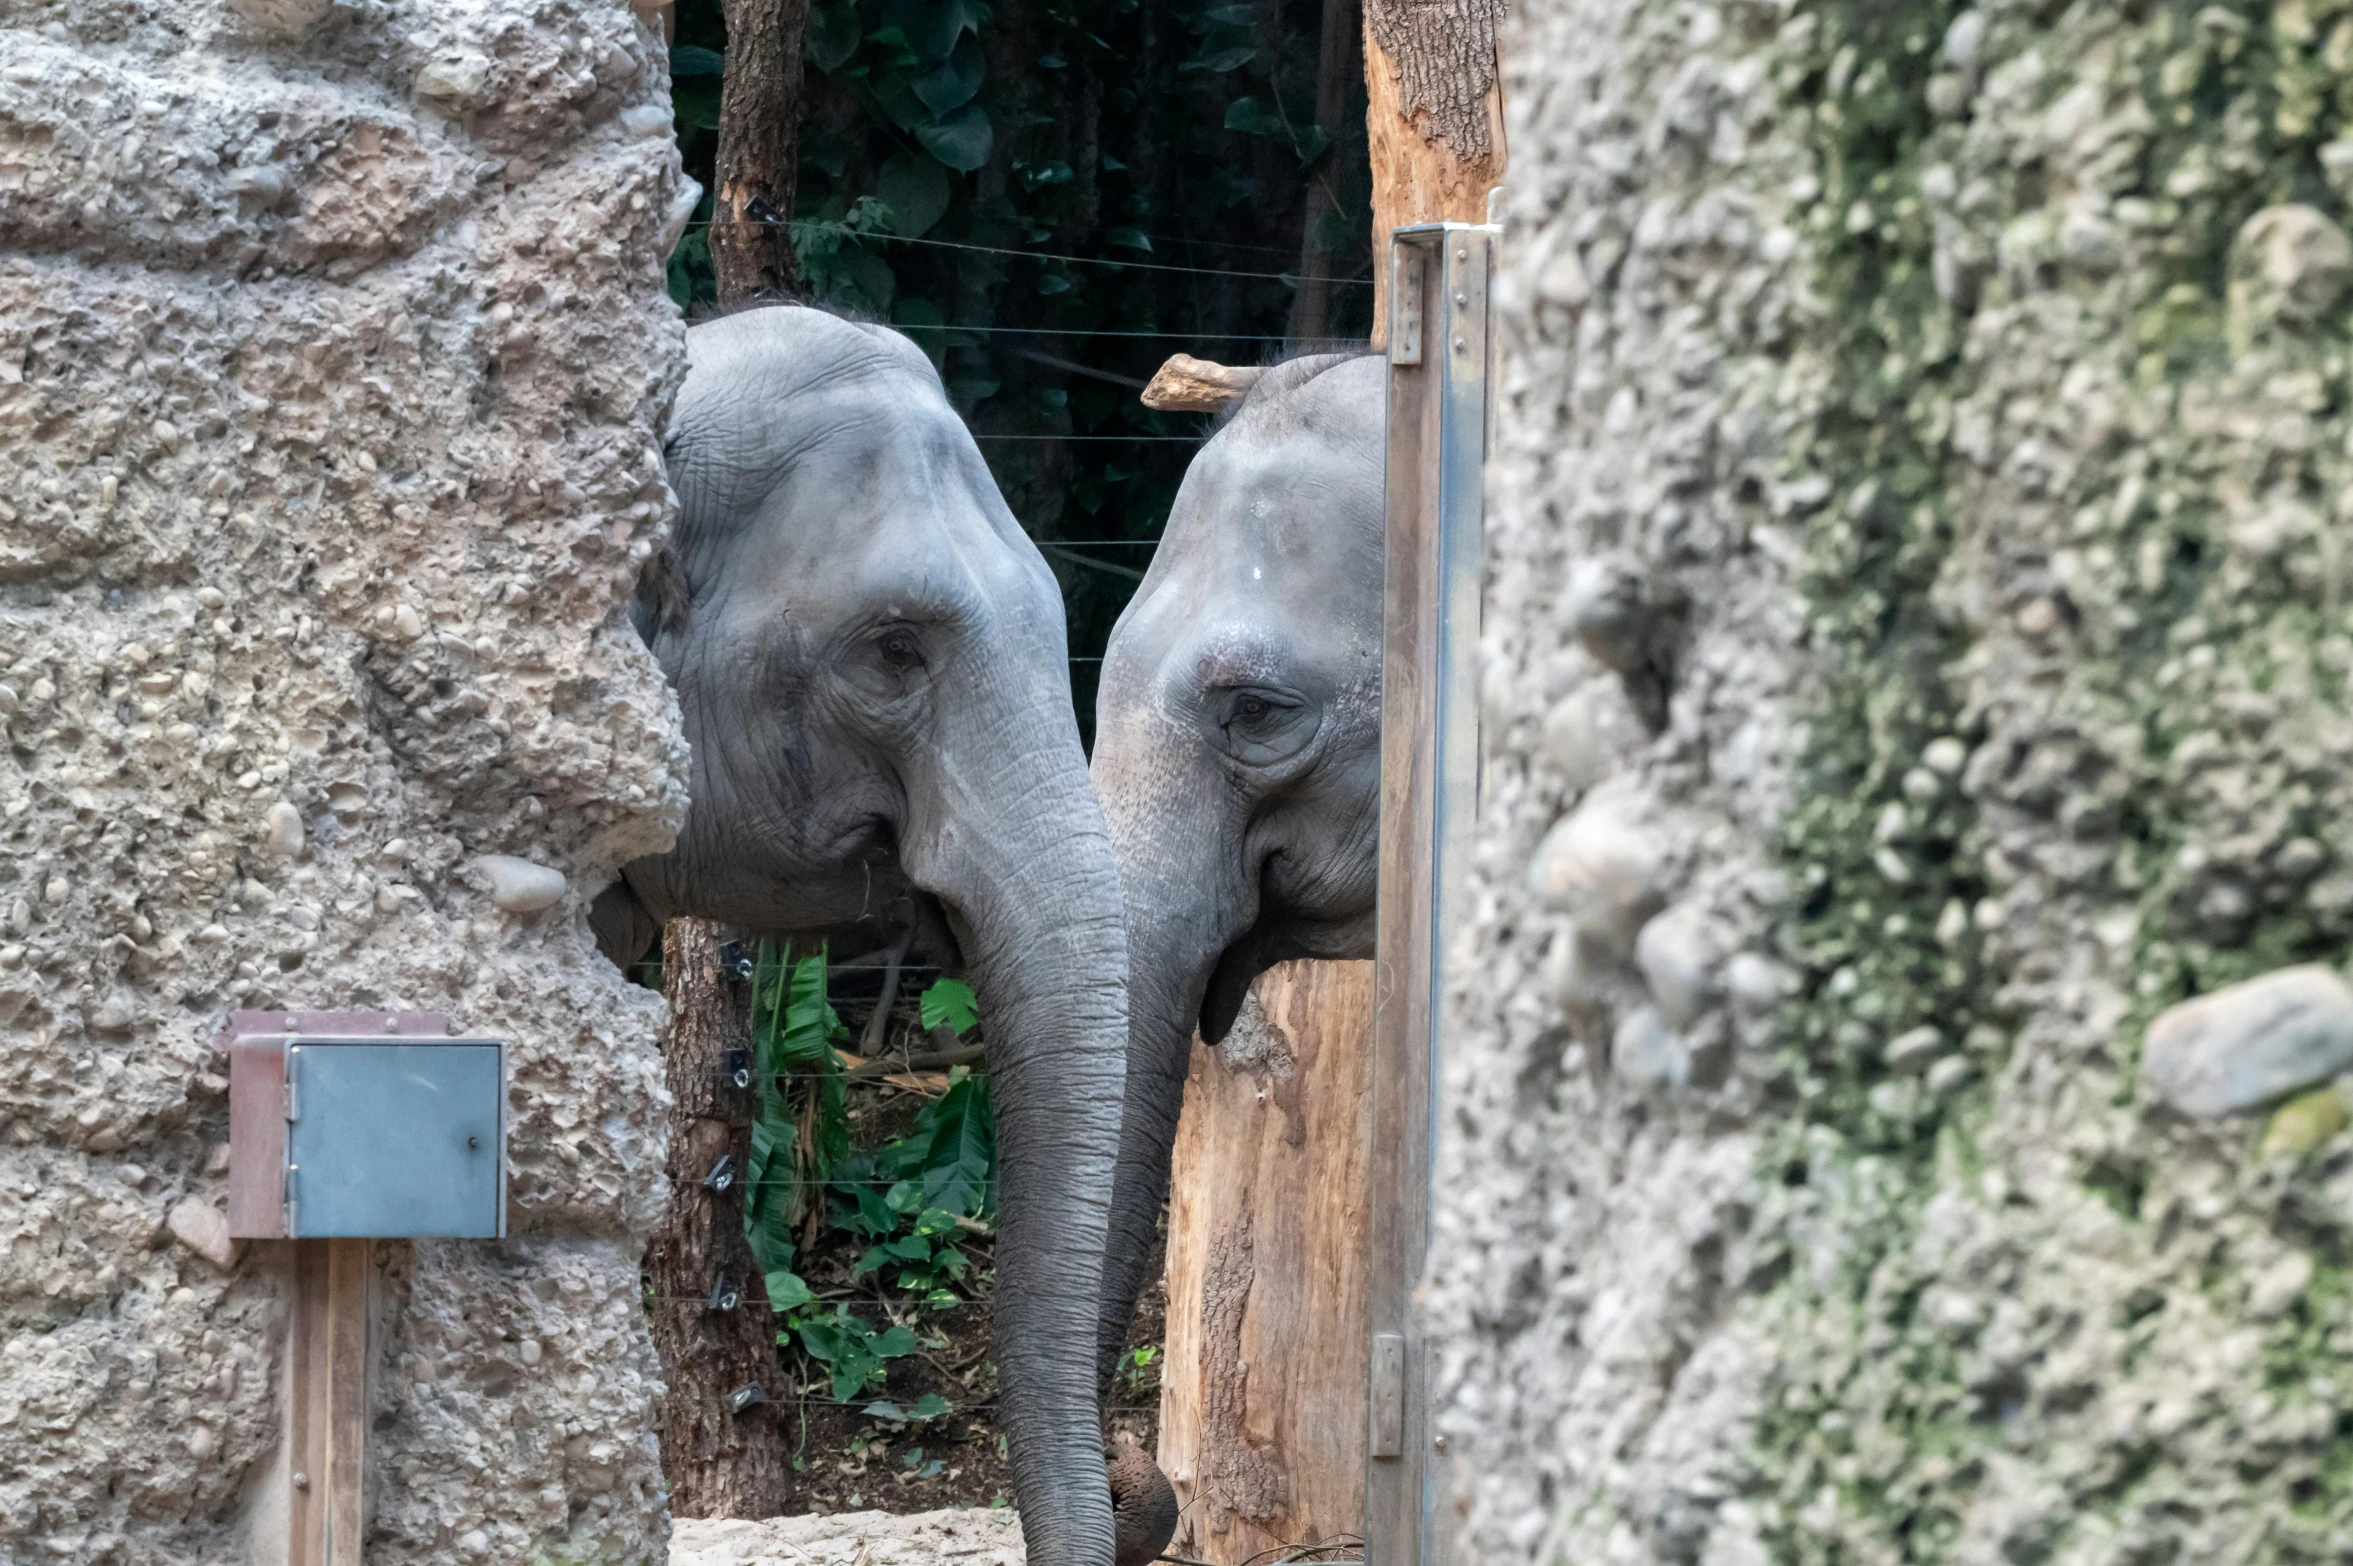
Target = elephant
(1238,745)
(870,661)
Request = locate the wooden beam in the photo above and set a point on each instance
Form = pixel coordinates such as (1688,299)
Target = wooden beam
(327,1395)
(1438,394)
(1262,1384)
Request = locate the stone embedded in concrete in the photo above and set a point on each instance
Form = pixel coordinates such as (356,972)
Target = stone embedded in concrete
(2243,1047)
(2298,258)
(203,1228)
(1914,1050)
(520,885)
(1678,955)
(282,825)
(1647,1052)
(1602,865)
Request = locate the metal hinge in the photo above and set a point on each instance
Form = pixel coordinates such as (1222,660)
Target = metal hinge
(1388,1395)
(293,1207)
(1405,303)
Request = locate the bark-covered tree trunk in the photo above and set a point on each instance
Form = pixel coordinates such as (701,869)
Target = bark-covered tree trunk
(722,1449)
(760,102)
(1878,1127)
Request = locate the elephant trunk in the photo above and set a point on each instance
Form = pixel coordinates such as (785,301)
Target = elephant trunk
(1018,855)
(1171,952)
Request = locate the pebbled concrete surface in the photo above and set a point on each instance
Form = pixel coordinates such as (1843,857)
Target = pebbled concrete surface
(969,1537)
(333,350)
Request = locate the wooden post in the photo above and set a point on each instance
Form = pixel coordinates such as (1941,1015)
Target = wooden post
(722,1450)
(1262,1386)
(1438,420)
(1433,119)
(328,1402)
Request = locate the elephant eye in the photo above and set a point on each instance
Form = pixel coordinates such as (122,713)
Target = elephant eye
(1265,726)
(901,650)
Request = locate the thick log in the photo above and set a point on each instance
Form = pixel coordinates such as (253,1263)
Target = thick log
(1262,1401)
(720,1460)
(1433,120)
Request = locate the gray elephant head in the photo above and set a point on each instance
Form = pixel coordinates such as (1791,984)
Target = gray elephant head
(869,655)
(1238,745)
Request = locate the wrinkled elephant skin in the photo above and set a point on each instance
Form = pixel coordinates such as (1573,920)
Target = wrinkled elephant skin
(870,657)
(1238,746)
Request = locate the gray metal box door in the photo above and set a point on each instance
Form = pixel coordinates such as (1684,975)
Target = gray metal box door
(391,1140)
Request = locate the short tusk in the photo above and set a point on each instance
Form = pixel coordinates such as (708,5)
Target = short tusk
(1189,385)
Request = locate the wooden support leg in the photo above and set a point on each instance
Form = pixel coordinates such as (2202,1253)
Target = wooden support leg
(328,1401)
(1262,1404)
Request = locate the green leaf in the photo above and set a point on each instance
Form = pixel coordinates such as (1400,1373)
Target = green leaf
(950,1001)
(695,109)
(1311,142)
(1053,283)
(952,83)
(894,1344)
(930,1406)
(931,27)
(910,1247)
(1253,117)
(961,140)
(691,60)
(876,1256)
(786,1291)
(890,1411)
(1132,238)
(833,35)
(1222,61)
(875,1214)
(916,190)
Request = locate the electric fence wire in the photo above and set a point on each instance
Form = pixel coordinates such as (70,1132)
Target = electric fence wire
(848,232)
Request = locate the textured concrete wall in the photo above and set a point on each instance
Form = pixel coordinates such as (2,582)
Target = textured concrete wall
(332,348)
(1917,650)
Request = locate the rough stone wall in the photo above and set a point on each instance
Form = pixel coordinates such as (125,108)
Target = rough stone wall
(332,348)
(1917,654)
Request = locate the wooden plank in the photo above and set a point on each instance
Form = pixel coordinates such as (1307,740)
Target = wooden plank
(348,1269)
(1399,1164)
(257,1137)
(309,1375)
(1262,1384)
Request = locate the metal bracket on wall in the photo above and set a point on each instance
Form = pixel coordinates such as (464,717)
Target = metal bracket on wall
(1440,378)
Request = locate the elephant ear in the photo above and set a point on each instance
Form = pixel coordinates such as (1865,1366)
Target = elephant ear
(662,598)
(1189,385)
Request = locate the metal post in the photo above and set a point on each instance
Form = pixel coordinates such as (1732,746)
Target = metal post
(1439,377)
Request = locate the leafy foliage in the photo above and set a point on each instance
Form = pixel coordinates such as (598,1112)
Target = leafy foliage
(794,1027)
(912,1200)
